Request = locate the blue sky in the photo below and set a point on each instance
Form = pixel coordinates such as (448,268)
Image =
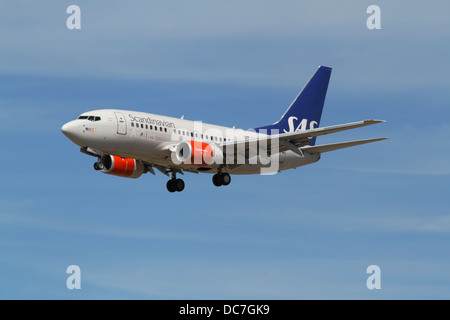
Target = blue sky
(304,233)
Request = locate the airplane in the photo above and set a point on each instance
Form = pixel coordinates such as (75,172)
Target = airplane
(131,143)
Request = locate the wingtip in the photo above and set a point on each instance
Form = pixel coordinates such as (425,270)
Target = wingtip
(373,121)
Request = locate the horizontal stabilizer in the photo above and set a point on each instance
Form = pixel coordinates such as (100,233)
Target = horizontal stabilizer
(336,146)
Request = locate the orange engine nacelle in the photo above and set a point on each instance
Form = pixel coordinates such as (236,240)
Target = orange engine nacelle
(198,153)
(122,167)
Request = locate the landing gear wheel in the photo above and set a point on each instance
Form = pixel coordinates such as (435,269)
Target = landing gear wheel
(175,185)
(171,187)
(179,185)
(217,180)
(98,165)
(226,179)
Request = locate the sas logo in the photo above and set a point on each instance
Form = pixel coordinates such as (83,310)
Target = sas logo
(302,126)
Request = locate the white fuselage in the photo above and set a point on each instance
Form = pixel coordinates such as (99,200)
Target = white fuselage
(150,138)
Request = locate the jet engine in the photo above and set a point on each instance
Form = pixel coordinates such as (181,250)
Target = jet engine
(122,167)
(198,153)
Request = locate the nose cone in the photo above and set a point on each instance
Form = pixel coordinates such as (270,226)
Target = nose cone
(71,130)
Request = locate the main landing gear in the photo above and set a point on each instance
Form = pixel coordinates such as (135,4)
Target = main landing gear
(175,184)
(221,179)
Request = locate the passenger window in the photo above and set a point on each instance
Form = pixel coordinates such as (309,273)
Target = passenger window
(165,129)
(142,126)
(132,124)
(160,128)
(146,126)
(192,134)
(206,137)
(156,128)
(151,127)
(211,138)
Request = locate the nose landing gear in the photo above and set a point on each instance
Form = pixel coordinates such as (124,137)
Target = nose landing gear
(98,165)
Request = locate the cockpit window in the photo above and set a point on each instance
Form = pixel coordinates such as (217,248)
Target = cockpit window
(90,118)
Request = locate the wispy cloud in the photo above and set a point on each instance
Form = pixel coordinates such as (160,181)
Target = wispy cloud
(21,217)
(240,42)
(276,279)
(410,150)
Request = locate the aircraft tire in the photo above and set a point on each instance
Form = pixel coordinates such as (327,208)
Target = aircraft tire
(226,179)
(171,186)
(179,185)
(217,180)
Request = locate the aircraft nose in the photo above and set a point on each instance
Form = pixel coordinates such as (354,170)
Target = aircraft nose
(70,130)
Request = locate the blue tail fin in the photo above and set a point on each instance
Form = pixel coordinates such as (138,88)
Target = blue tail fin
(306,110)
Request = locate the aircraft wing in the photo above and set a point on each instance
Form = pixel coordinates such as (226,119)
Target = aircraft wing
(327,130)
(298,141)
